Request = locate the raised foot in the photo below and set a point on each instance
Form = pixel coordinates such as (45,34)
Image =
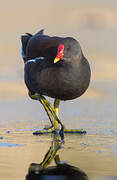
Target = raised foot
(34,96)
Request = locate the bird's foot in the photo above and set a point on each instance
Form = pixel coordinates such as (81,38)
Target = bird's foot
(49,130)
(59,132)
(43,131)
(74,131)
(33,96)
(58,128)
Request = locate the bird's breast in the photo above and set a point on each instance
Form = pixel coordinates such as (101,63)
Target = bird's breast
(63,83)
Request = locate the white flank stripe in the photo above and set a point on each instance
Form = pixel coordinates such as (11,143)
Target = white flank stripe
(39,58)
(34,60)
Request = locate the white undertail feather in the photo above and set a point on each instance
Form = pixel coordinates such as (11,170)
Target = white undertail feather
(21,50)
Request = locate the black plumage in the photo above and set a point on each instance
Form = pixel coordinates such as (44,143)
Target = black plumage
(65,80)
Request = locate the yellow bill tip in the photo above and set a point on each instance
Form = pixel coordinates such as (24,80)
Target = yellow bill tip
(56,60)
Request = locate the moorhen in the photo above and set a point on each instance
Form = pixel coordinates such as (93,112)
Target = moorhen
(54,67)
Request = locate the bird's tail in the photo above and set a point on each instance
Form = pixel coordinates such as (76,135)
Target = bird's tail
(24,41)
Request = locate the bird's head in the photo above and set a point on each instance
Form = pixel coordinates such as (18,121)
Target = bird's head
(67,50)
(60,51)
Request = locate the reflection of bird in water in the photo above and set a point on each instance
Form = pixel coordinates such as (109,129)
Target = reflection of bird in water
(59,172)
(62,170)
(54,67)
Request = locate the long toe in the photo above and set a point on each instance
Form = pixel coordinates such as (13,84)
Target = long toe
(43,131)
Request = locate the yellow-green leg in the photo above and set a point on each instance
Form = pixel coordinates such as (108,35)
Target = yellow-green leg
(51,112)
(52,154)
(56,108)
(43,102)
(56,124)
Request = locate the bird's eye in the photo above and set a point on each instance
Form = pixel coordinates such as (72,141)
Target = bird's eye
(68,48)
